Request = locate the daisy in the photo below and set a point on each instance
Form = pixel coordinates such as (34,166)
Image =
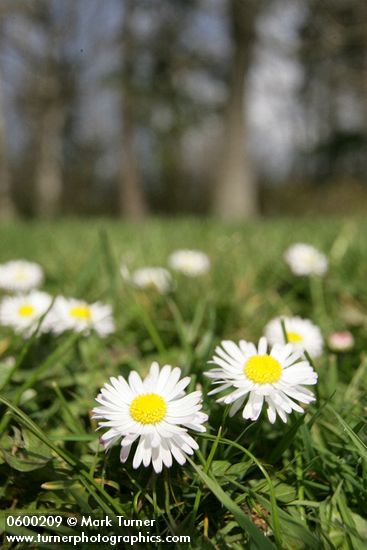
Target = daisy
(155,412)
(191,263)
(20,276)
(79,316)
(341,341)
(304,259)
(255,376)
(23,312)
(301,333)
(156,278)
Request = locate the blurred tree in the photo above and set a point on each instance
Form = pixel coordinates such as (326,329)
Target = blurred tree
(132,199)
(334,57)
(7,207)
(48,172)
(165,103)
(173,108)
(167,76)
(51,99)
(46,93)
(235,194)
(156,107)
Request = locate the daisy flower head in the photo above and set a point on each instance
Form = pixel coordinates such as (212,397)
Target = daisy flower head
(341,341)
(156,278)
(154,412)
(20,276)
(301,333)
(79,316)
(23,311)
(257,376)
(191,263)
(305,259)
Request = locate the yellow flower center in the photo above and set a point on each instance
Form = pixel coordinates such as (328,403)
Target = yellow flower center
(151,284)
(20,274)
(148,409)
(263,369)
(189,262)
(294,337)
(81,312)
(26,310)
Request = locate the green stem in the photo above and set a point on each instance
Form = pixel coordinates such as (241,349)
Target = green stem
(206,469)
(167,501)
(318,299)
(284,330)
(32,378)
(273,503)
(152,331)
(300,486)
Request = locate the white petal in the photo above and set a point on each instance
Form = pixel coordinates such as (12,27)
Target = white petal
(253,406)
(157,460)
(166,454)
(171,383)
(178,388)
(236,406)
(177,454)
(163,377)
(233,350)
(147,455)
(139,453)
(271,413)
(263,346)
(124,453)
(136,383)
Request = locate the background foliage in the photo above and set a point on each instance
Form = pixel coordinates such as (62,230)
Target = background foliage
(123,107)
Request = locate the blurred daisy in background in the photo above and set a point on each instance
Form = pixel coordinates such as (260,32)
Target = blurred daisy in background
(304,259)
(191,263)
(156,278)
(341,341)
(20,276)
(8,362)
(259,377)
(301,333)
(23,312)
(154,412)
(79,316)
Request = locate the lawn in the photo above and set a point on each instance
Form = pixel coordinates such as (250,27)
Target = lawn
(257,485)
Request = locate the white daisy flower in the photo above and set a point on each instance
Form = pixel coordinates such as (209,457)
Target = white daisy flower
(301,333)
(256,376)
(191,263)
(23,312)
(20,276)
(79,316)
(341,341)
(156,278)
(304,259)
(155,412)
(9,361)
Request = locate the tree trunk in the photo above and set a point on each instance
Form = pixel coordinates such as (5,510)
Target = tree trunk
(7,207)
(235,195)
(48,177)
(132,200)
(131,193)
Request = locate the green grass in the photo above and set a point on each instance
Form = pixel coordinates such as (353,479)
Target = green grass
(302,485)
